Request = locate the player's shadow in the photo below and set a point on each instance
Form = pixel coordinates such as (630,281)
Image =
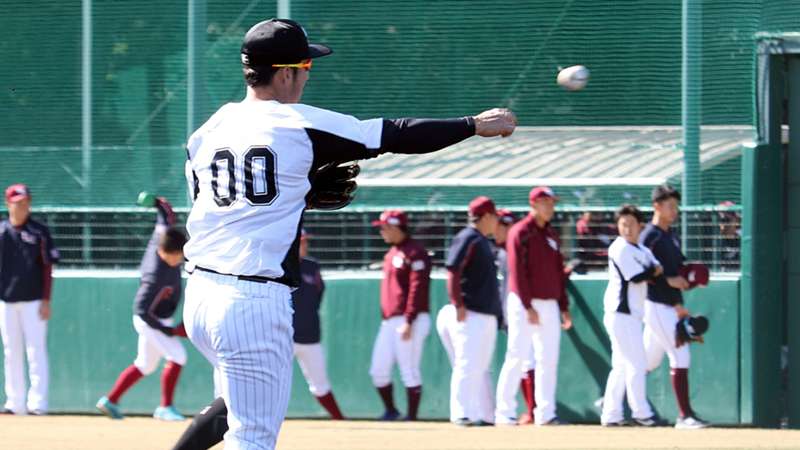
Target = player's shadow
(598,364)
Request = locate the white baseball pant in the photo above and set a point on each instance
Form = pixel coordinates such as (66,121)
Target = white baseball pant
(244,329)
(24,333)
(311,360)
(154,344)
(660,321)
(628,369)
(546,341)
(473,342)
(445,321)
(389,349)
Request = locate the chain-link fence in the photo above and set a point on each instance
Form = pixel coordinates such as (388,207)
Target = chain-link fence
(116,238)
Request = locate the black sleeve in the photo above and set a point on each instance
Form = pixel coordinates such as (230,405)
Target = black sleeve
(416,136)
(397,136)
(646,275)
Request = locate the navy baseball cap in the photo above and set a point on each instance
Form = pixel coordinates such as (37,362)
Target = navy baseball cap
(279,41)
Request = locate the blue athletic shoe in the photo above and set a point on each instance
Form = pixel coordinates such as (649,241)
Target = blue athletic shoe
(168,413)
(390,416)
(108,408)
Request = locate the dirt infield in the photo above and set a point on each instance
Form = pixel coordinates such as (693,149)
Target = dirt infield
(94,433)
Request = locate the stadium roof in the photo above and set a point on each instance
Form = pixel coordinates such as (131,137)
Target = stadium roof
(585,156)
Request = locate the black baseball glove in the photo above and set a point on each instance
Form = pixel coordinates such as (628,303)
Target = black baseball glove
(333,186)
(690,329)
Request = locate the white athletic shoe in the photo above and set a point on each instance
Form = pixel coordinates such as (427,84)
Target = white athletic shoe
(690,423)
(168,413)
(502,421)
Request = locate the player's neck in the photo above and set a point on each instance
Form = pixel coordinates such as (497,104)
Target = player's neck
(264,93)
(661,223)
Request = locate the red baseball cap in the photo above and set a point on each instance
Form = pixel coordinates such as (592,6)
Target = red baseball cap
(541,191)
(506,217)
(481,205)
(17,192)
(695,273)
(394,217)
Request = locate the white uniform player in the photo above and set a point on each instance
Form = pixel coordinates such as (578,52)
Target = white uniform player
(249,168)
(631,266)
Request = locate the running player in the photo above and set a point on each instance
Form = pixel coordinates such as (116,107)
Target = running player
(249,167)
(537,310)
(308,351)
(156,301)
(404,307)
(27,255)
(665,302)
(469,325)
(630,267)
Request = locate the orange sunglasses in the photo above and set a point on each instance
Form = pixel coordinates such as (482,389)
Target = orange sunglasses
(304,64)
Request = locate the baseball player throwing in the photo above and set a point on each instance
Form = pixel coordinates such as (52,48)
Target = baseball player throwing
(664,306)
(537,310)
(27,255)
(253,168)
(404,308)
(156,301)
(630,267)
(468,326)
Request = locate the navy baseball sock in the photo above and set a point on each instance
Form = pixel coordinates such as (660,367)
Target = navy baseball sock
(387,396)
(207,428)
(414,396)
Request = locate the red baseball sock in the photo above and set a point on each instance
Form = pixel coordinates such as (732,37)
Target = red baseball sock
(169,379)
(527,385)
(680,384)
(329,403)
(387,397)
(126,379)
(414,396)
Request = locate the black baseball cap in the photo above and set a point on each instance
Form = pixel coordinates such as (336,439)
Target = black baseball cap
(279,41)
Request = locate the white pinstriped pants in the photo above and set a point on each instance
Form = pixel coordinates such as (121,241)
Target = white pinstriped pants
(244,329)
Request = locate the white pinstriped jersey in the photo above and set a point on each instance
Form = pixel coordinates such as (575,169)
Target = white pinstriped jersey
(626,293)
(246,215)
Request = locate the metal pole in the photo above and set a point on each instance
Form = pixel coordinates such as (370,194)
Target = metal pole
(285,9)
(195,48)
(690,109)
(86,119)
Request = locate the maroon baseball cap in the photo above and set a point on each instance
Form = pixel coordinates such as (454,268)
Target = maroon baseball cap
(506,217)
(394,217)
(695,273)
(480,206)
(541,191)
(17,192)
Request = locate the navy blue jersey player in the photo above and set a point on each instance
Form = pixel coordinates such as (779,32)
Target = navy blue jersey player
(156,301)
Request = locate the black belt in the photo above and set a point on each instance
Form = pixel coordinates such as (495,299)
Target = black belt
(284,280)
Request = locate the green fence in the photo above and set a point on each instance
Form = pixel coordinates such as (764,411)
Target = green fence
(91,339)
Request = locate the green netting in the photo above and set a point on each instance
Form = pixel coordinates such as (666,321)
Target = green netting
(411,58)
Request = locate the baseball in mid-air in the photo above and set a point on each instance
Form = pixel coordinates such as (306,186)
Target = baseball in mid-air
(573,78)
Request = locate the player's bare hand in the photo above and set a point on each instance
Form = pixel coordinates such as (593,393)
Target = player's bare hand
(682,312)
(533,316)
(44,310)
(405,331)
(495,122)
(678,282)
(461,313)
(566,320)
